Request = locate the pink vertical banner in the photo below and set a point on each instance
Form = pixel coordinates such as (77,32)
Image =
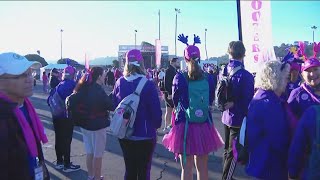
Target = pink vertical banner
(86,62)
(158,53)
(257,33)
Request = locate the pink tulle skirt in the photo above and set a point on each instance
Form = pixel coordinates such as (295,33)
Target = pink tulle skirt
(202,138)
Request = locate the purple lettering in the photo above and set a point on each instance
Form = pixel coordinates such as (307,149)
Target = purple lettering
(255,26)
(256,37)
(256,16)
(256,4)
(255,48)
(256,58)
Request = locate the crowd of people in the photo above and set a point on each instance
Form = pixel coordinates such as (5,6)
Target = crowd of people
(274,114)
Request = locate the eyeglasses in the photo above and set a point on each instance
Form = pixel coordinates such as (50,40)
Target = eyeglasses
(25,75)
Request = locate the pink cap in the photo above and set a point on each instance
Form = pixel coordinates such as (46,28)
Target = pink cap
(312,62)
(69,70)
(192,52)
(133,55)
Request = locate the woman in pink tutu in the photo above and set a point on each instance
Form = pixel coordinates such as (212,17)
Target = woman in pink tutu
(193,135)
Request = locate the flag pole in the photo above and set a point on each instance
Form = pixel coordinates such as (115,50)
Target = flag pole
(239,20)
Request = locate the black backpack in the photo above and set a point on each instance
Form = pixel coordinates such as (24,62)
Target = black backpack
(224,88)
(77,108)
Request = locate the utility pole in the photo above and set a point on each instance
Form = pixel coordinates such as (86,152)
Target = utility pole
(175,36)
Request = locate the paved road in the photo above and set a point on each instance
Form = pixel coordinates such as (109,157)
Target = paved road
(164,166)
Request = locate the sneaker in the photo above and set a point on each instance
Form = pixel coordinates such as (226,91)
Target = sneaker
(167,130)
(71,168)
(59,165)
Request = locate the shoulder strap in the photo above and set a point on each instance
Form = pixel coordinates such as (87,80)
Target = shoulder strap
(140,86)
(317,125)
(312,96)
(234,70)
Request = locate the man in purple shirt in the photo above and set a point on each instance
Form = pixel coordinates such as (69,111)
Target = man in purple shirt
(242,93)
(308,93)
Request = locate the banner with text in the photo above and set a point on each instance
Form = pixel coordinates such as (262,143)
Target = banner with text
(158,53)
(256,33)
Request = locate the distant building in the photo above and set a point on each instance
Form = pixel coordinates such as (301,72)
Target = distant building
(148,53)
(297,42)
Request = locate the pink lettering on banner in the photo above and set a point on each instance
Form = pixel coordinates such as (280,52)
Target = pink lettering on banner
(255,17)
(256,4)
(255,48)
(255,26)
(256,37)
(256,58)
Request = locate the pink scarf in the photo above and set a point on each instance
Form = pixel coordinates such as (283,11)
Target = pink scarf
(25,126)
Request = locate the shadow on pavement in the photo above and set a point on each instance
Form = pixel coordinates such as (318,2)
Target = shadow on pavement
(77,175)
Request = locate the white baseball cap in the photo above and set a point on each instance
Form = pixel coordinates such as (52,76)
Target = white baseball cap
(15,64)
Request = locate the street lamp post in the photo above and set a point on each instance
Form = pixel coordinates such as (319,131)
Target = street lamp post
(61,30)
(205,42)
(175,36)
(313,29)
(135,39)
(159,23)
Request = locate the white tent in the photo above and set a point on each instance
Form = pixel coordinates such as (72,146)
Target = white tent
(49,67)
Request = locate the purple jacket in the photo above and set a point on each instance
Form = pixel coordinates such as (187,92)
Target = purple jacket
(149,114)
(291,86)
(299,100)
(301,144)
(268,137)
(242,91)
(180,93)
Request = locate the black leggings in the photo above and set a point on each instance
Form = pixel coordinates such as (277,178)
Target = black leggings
(63,129)
(137,157)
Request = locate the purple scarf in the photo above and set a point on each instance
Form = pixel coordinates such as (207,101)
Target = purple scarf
(37,126)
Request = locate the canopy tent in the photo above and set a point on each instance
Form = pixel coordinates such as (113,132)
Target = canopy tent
(49,67)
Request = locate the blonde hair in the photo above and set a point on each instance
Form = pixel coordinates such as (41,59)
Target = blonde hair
(271,77)
(130,69)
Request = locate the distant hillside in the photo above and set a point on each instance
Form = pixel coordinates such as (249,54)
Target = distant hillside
(102,61)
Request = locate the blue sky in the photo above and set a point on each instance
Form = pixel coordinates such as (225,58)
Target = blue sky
(97,28)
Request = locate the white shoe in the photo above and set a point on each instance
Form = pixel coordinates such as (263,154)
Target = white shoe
(59,166)
(167,129)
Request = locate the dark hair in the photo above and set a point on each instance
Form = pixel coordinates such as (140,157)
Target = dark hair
(236,49)
(89,78)
(175,59)
(194,70)
(54,70)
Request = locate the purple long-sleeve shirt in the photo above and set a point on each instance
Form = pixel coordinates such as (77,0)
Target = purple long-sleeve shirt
(149,114)
(300,100)
(242,92)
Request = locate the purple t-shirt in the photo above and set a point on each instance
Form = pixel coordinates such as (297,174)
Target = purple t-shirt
(299,100)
